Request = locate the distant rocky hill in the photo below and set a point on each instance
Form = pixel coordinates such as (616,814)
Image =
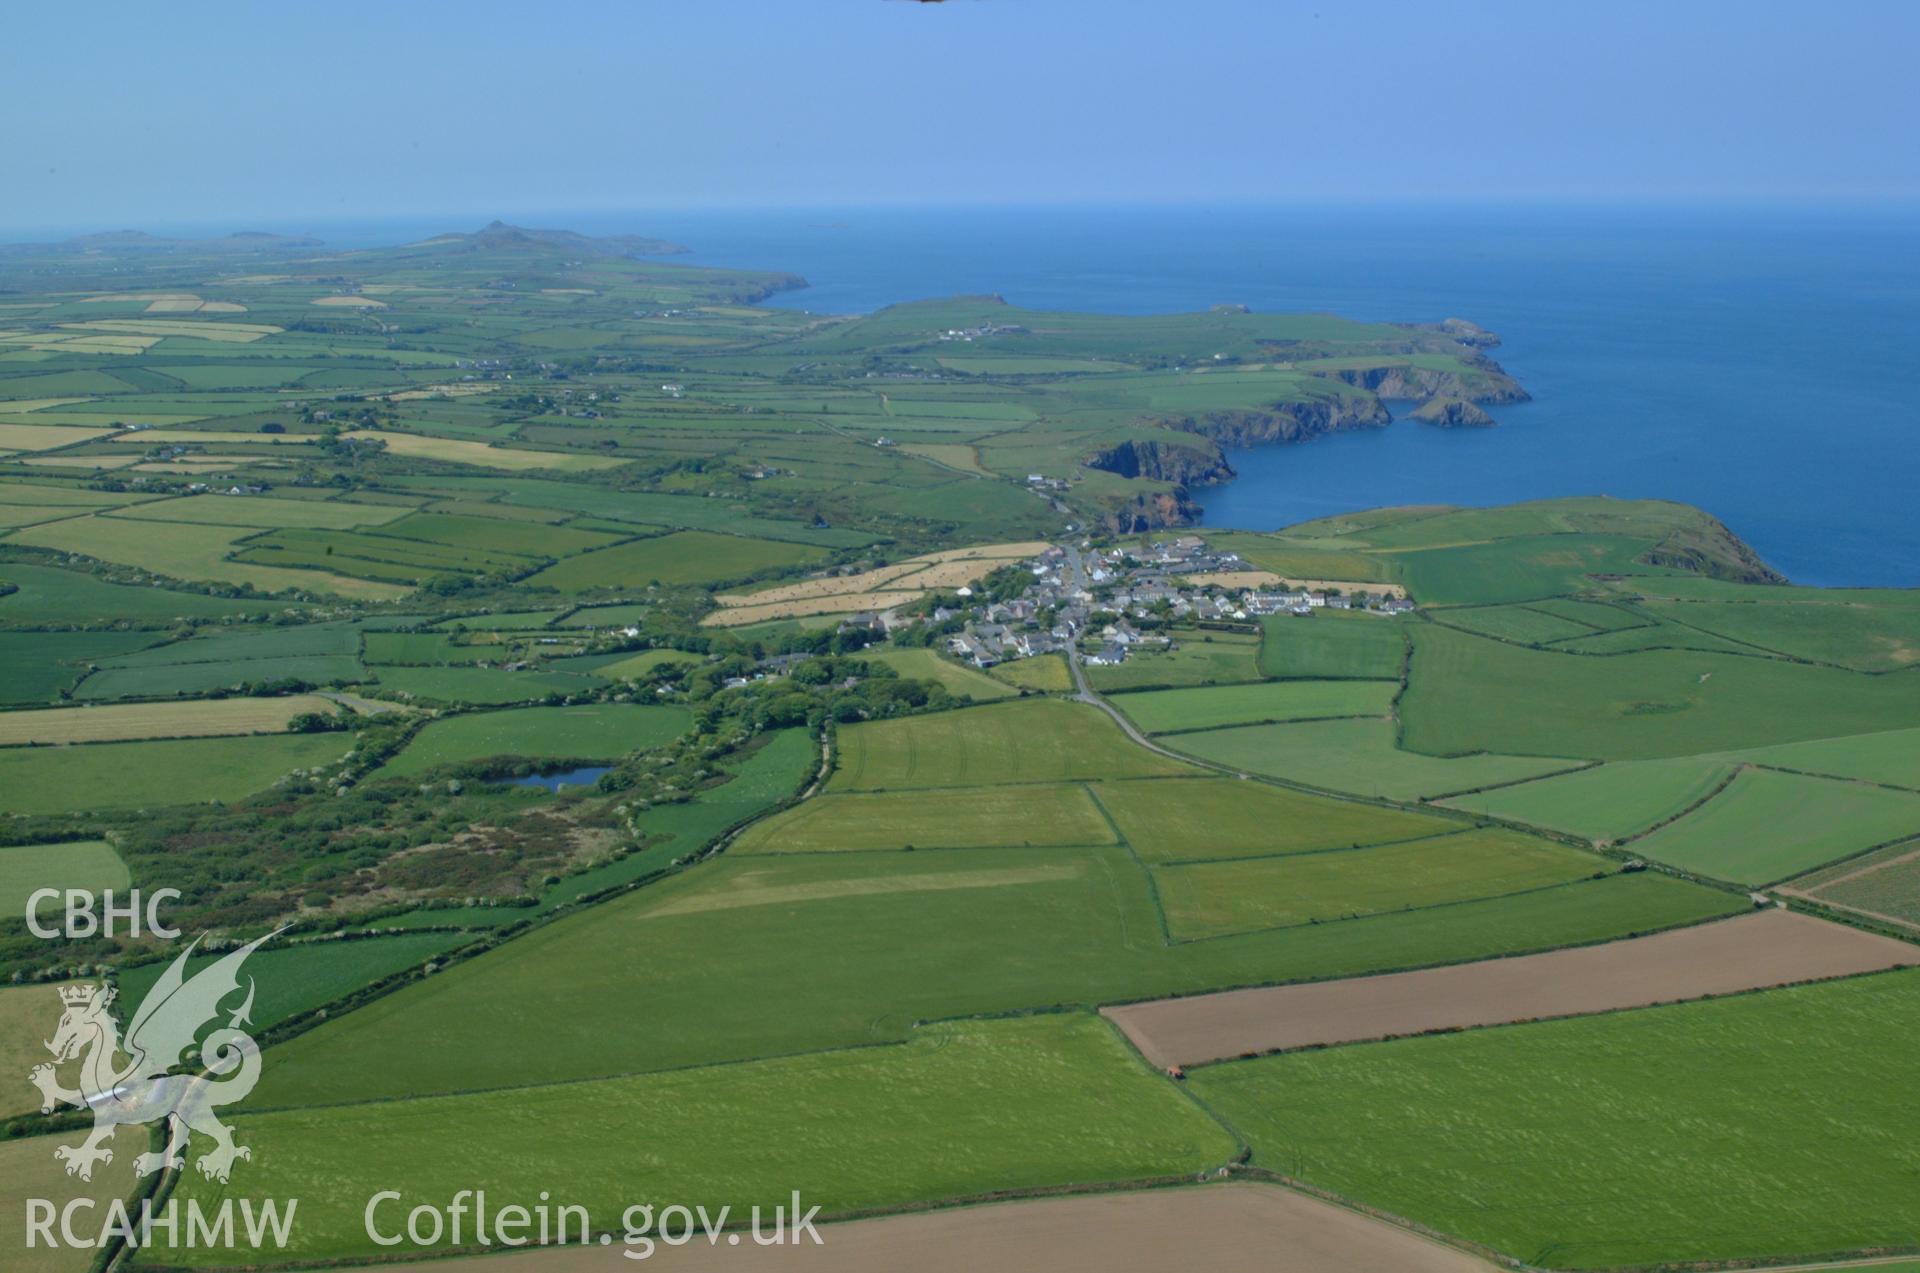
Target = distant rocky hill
(499,236)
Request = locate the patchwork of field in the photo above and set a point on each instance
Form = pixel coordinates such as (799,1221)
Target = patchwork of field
(261,511)
(301,976)
(1197,658)
(1211,819)
(1891,757)
(1467,693)
(878,589)
(134,775)
(1038,740)
(156,720)
(318,653)
(1037,1101)
(1222,1228)
(967,818)
(1625,1138)
(775,954)
(1332,644)
(1766,826)
(82,864)
(481,455)
(1043,674)
(959,680)
(1731,956)
(480,686)
(869,925)
(684,557)
(183,550)
(600,731)
(1607,802)
(1213,899)
(28,1169)
(1884,884)
(1358,756)
(1177,711)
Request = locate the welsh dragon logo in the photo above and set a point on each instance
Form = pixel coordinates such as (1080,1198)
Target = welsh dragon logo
(142,1091)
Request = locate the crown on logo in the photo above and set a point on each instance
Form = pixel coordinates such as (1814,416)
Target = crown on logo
(78,996)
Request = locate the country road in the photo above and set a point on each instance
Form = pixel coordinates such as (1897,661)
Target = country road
(1085,693)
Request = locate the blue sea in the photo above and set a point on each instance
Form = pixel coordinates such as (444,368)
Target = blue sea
(1763,364)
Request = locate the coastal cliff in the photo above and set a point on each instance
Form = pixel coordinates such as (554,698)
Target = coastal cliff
(1452,413)
(1284,421)
(1200,462)
(1164,462)
(1152,510)
(1482,383)
(1709,548)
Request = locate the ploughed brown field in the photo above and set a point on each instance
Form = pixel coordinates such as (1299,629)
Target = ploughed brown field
(1219,1228)
(1749,952)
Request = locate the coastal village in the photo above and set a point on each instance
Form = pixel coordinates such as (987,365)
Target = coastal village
(1110,602)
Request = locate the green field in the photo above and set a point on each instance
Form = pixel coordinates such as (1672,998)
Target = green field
(1044,673)
(493,535)
(1199,658)
(972,817)
(769,955)
(1767,826)
(1630,1138)
(961,682)
(962,1108)
(1043,740)
(1869,631)
(297,978)
(600,731)
(1608,802)
(44,595)
(1357,756)
(28,1169)
(422,649)
(1205,818)
(630,666)
(1302,559)
(84,864)
(1466,693)
(1161,711)
(1891,757)
(36,666)
(1213,899)
(684,557)
(1517,569)
(1331,644)
(170,679)
(1528,625)
(98,776)
(482,686)
(1884,883)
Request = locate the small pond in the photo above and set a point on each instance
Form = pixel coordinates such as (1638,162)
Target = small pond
(584,777)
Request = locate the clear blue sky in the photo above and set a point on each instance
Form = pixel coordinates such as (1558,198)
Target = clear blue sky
(125,114)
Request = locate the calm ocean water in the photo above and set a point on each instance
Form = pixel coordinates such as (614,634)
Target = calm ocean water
(1764,365)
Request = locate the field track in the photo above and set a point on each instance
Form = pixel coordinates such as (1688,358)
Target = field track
(1749,952)
(1226,1228)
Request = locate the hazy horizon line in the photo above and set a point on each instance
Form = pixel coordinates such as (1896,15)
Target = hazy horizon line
(556,218)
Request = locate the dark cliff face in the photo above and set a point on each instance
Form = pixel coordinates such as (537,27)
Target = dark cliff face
(1164,462)
(1452,413)
(1187,464)
(1151,511)
(1419,384)
(1284,421)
